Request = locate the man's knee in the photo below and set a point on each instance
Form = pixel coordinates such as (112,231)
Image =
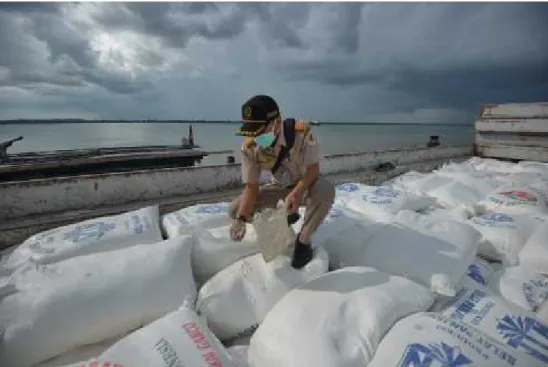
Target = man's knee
(325,192)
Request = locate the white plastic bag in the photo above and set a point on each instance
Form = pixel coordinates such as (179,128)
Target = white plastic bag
(335,320)
(206,216)
(534,253)
(237,298)
(503,235)
(369,200)
(179,338)
(88,299)
(274,234)
(504,322)
(431,340)
(522,286)
(90,236)
(435,252)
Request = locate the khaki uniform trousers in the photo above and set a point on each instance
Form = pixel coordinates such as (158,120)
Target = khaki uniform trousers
(317,200)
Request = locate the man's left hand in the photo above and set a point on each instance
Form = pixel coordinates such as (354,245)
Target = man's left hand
(293,201)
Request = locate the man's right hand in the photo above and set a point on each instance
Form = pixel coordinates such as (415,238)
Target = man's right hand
(237,230)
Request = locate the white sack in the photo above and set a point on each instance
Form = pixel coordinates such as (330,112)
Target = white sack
(239,355)
(336,227)
(432,251)
(74,357)
(539,167)
(88,299)
(90,236)
(522,286)
(432,340)
(518,199)
(371,199)
(456,193)
(237,298)
(542,312)
(534,253)
(460,213)
(504,322)
(206,216)
(335,320)
(503,235)
(402,182)
(214,250)
(478,276)
(178,339)
(493,165)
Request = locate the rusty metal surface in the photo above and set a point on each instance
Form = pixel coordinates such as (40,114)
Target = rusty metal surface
(204,184)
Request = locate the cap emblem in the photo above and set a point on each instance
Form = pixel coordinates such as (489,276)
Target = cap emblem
(247,112)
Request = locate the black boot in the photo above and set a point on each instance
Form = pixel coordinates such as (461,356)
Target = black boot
(301,255)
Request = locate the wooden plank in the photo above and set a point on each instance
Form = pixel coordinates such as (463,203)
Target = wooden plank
(539,154)
(523,140)
(517,131)
(515,110)
(513,125)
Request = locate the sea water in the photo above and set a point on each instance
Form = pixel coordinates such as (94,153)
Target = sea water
(343,138)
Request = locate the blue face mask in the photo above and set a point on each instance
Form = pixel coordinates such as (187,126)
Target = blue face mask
(265,140)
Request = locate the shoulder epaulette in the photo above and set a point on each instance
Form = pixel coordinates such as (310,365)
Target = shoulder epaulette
(249,143)
(302,126)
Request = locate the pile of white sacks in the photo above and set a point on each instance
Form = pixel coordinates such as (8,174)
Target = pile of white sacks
(448,268)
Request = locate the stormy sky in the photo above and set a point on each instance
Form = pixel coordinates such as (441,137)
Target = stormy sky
(423,62)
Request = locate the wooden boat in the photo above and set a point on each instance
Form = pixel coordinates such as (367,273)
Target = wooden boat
(62,163)
(508,132)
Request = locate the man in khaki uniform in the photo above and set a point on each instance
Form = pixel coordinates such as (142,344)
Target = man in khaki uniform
(295,169)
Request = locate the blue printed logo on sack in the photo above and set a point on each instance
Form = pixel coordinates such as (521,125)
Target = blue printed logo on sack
(474,272)
(334,213)
(386,192)
(495,220)
(535,291)
(90,231)
(433,355)
(348,187)
(525,333)
(212,209)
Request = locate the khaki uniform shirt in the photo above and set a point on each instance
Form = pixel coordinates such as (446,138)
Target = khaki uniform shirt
(303,153)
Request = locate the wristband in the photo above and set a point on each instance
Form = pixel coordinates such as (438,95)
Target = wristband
(243,218)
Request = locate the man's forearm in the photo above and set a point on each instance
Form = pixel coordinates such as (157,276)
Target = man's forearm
(248,198)
(311,175)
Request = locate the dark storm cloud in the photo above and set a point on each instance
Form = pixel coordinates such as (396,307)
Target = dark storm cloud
(391,55)
(28,7)
(41,48)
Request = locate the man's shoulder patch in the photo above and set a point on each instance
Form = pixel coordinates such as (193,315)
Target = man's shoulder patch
(248,143)
(302,126)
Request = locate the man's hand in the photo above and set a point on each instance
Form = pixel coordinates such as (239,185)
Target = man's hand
(293,201)
(237,230)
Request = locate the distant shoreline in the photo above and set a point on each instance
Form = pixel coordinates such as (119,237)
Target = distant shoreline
(197,122)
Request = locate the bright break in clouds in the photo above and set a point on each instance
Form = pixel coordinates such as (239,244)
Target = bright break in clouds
(423,62)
